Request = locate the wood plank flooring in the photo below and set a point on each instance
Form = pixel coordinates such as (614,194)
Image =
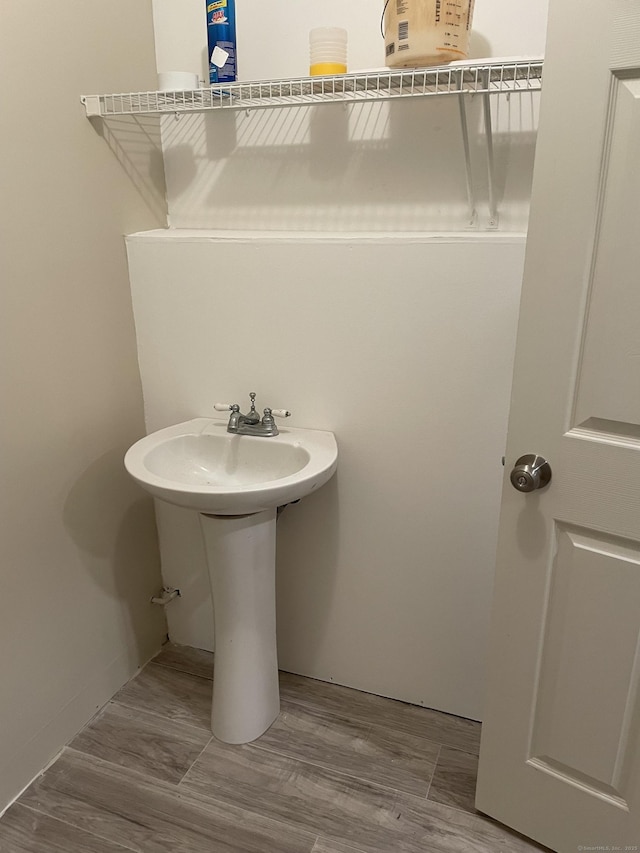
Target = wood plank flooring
(339,772)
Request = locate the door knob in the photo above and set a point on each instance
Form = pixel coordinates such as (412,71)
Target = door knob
(531,472)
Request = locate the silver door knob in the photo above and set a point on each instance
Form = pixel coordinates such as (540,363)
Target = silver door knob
(531,472)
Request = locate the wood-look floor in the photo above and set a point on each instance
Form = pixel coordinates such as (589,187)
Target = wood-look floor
(339,772)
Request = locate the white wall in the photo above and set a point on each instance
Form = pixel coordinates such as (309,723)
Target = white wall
(273,37)
(358,168)
(79,549)
(403,347)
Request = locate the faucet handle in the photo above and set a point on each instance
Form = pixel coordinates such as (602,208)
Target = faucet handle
(252,417)
(268,423)
(226,407)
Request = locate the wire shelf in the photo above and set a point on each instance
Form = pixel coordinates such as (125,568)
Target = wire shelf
(459,79)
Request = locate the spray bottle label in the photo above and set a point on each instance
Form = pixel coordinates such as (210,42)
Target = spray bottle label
(221,36)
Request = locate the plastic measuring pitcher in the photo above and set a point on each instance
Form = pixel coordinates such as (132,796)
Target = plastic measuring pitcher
(426,32)
(327,51)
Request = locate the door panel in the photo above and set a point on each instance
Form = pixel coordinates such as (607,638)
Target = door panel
(609,379)
(585,700)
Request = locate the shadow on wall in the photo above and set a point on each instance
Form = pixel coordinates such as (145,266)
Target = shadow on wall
(306,568)
(136,144)
(307,557)
(310,158)
(113,525)
(351,166)
(184,566)
(356,166)
(479,46)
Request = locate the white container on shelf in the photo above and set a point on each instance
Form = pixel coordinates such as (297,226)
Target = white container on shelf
(426,32)
(327,51)
(177,81)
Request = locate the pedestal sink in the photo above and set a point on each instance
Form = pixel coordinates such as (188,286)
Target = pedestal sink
(236,483)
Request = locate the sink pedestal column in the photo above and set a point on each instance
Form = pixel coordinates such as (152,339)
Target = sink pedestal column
(241,556)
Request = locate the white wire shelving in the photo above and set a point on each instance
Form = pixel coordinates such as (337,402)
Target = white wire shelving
(476,78)
(488,78)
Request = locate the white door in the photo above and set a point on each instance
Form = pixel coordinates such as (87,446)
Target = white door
(560,756)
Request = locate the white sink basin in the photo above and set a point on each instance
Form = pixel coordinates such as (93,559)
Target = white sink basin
(236,483)
(200,466)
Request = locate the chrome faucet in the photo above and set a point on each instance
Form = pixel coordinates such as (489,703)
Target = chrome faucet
(251,423)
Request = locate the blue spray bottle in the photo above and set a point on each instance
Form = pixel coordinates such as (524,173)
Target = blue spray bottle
(221,36)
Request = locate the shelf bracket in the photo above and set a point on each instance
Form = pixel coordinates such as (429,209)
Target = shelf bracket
(92,105)
(488,133)
(473,215)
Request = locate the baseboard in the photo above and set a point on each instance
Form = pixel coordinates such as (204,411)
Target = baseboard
(33,757)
